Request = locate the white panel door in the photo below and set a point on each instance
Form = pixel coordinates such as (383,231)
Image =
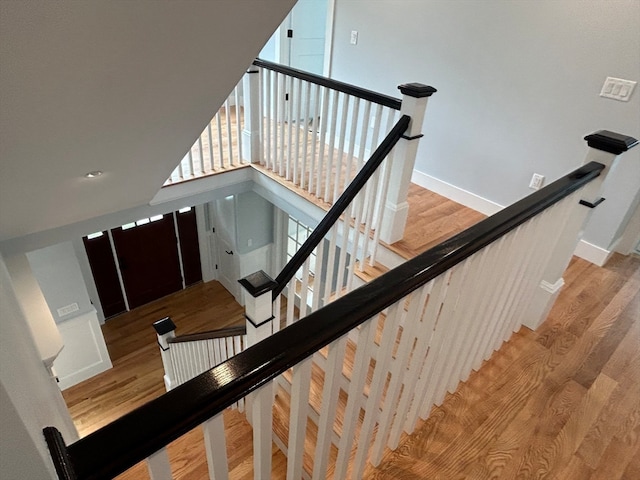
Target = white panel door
(229,267)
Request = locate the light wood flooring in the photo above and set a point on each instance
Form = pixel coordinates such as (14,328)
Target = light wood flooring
(562,402)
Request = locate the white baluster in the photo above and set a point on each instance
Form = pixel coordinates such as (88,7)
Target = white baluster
(291,300)
(337,177)
(352,142)
(330,275)
(305,134)
(364,349)
(158,465)
(331,147)
(372,408)
(289,122)
(364,132)
(282,117)
(330,391)
(433,319)
(216,448)
(212,166)
(238,124)
(223,164)
(504,279)
(399,368)
(227,114)
(298,99)
(298,414)
(268,115)
(315,138)
(317,172)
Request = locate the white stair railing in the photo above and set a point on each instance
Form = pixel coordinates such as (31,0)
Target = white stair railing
(187,356)
(316,133)
(219,147)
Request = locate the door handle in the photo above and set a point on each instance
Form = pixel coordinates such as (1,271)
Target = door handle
(229,252)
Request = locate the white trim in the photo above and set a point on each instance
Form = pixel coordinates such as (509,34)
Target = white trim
(328,38)
(457,194)
(552,288)
(588,251)
(592,253)
(84,354)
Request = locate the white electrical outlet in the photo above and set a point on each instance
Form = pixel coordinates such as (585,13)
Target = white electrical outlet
(354,37)
(536,181)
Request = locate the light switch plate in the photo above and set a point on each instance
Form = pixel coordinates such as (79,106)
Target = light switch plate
(66,310)
(618,89)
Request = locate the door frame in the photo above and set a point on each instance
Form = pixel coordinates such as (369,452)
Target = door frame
(282,50)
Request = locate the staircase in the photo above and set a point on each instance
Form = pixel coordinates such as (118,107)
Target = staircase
(354,370)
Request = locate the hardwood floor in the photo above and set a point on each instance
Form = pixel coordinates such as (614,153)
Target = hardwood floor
(137,373)
(562,402)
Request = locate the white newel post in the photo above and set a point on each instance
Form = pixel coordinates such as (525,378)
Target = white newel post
(166,329)
(251,107)
(259,315)
(396,209)
(605,148)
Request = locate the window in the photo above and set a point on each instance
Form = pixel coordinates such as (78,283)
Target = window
(297,233)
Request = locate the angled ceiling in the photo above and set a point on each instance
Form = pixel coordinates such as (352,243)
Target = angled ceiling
(122,87)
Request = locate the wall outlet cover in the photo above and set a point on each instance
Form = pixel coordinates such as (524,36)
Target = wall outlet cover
(66,310)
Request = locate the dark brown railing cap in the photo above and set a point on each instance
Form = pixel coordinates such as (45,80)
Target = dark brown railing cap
(164,325)
(611,142)
(417,90)
(258,283)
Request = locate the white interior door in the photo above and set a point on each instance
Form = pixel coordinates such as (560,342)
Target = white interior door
(229,268)
(308,22)
(305,48)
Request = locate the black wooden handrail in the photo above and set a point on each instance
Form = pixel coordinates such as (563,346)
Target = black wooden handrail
(210,334)
(347,88)
(340,205)
(135,436)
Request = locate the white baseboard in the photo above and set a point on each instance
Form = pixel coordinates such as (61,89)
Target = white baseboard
(456,194)
(588,251)
(592,253)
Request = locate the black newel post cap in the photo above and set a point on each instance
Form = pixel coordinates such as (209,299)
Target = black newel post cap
(417,90)
(611,142)
(258,283)
(164,325)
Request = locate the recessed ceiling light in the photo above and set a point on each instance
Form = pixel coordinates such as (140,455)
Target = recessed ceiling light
(94,174)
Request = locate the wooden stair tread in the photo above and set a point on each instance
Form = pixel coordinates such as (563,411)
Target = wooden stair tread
(370,272)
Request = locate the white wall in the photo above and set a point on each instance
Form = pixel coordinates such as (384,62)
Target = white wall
(518,87)
(34,307)
(254,222)
(29,397)
(58,272)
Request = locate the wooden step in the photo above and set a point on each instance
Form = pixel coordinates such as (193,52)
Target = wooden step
(369,272)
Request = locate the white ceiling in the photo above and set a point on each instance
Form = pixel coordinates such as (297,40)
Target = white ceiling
(122,87)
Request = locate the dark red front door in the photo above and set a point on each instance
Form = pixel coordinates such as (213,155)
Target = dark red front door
(189,249)
(105,274)
(148,259)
